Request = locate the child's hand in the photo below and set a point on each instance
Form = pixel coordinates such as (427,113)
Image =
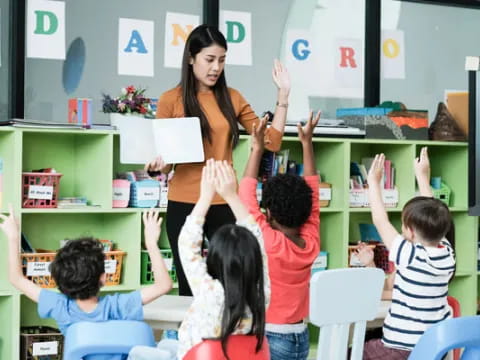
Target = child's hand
(258,134)
(225,181)
(365,255)
(422,165)
(280,76)
(10,225)
(376,170)
(152,223)
(207,185)
(305,134)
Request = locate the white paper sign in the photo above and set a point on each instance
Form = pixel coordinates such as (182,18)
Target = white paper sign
(177,28)
(163,197)
(40,192)
(46,29)
(110,266)
(121,193)
(236,26)
(168,263)
(38,268)
(393,54)
(349,63)
(325,194)
(135,47)
(45,348)
(148,193)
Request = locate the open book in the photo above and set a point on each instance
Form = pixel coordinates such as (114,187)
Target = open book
(177,140)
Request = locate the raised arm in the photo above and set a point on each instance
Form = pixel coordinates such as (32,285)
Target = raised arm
(281,78)
(152,224)
(422,173)
(305,134)
(226,187)
(11,230)
(379,214)
(191,236)
(258,145)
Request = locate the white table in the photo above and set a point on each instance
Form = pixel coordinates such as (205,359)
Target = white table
(168,312)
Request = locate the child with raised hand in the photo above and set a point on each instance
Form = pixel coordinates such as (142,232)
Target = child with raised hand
(79,271)
(424,262)
(231,288)
(290,230)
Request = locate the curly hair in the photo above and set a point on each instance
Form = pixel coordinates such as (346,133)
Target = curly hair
(288,199)
(428,216)
(77,268)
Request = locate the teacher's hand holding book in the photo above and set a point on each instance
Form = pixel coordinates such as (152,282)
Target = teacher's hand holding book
(158,165)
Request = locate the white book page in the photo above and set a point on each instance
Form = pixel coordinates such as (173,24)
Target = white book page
(136,139)
(179,140)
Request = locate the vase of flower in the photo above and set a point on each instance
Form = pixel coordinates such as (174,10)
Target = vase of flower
(132,102)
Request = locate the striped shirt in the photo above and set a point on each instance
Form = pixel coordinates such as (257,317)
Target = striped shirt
(419,297)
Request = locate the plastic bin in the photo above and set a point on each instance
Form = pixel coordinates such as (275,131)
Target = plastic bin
(36,267)
(40,190)
(146,269)
(40,343)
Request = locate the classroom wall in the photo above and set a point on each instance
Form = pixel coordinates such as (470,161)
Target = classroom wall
(437,40)
(95,23)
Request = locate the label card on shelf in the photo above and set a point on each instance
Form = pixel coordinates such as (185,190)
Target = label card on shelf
(110,266)
(325,194)
(148,193)
(163,197)
(40,192)
(38,268)
(120,193)
(45,348)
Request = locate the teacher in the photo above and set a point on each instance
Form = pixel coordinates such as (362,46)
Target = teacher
(203,93)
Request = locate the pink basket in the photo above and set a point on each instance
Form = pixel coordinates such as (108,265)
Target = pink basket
(44,193)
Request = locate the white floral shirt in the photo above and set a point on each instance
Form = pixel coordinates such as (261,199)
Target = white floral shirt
(204,317)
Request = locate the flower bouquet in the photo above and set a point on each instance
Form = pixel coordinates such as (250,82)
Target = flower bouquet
(131,101)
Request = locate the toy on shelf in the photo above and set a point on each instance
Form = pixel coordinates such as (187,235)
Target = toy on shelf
(440,190)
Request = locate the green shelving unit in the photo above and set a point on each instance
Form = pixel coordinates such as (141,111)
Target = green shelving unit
(89,160)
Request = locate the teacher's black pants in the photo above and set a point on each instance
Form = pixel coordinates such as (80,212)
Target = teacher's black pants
(177,212)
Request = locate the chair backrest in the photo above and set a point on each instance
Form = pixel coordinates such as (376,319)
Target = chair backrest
(239,347)
(463,332)
(339,298)
(455,305)
(105,340)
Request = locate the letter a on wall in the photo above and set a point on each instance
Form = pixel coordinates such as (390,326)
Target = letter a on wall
(135,47)
(236,26)
(46,29)
(177,28)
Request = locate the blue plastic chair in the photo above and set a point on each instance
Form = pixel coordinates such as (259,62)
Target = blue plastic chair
(105,340)
(462,332)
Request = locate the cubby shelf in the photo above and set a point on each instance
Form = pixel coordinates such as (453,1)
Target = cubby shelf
(89,160)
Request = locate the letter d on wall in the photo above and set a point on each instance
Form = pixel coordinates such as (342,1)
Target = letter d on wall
(46,29)
(41,17)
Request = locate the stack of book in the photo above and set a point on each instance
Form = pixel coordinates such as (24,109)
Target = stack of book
(359,174)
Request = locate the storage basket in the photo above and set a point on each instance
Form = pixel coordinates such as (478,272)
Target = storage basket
(40,342)
(36,267)
(40,190)
(146,270)
(325,194)
(442,194)
(144,193)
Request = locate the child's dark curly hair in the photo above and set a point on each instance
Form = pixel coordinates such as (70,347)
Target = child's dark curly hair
(77,268)
(289,199)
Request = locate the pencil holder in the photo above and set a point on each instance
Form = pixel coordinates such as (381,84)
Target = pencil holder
(120,193)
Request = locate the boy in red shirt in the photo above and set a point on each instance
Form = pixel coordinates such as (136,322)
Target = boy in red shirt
(290,230)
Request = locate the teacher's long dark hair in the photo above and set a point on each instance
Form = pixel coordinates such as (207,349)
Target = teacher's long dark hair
(201,37)
(234,258)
